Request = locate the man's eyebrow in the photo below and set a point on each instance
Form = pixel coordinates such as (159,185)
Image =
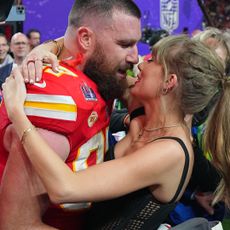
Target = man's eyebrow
(127,41)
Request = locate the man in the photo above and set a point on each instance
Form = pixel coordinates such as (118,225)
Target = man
(6,61)
(19,46)
(34,37)
(102,34)
(5,58)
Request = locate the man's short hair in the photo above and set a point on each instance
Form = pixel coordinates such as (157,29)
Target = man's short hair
(28,34)
(100,8)
(4,36)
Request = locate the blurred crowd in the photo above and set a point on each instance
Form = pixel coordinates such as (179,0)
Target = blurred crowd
(13,53)
(219,12)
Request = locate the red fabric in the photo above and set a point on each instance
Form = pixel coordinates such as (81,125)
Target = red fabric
(92,121)
(65,220)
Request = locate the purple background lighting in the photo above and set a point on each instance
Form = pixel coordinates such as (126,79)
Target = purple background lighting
(51,17)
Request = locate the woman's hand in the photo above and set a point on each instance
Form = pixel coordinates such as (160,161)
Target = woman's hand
(14,93)
(32,64)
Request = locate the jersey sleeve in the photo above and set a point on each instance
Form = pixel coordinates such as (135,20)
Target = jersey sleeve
(53,102)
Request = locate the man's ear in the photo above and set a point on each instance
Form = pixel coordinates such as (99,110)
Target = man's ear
(85,38)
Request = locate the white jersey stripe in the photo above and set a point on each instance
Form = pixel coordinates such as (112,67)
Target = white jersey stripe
(46,98)
(61,115)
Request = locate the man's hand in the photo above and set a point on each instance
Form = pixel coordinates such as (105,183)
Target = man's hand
(32,64)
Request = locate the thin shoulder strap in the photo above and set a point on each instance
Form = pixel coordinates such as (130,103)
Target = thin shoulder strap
(186,165)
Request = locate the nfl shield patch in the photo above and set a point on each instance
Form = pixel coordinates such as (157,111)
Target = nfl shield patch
(169,14)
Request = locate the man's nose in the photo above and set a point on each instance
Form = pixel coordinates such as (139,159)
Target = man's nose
(132,57)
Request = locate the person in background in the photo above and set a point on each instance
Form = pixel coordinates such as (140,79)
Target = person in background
(19,46)
(143,177)
(34,37)
(6,61)
(185,31)
(74,101)
(5,58)
(198,197)
(220,42)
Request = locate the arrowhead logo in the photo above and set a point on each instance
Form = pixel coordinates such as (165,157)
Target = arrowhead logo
(92,119)
(41,85)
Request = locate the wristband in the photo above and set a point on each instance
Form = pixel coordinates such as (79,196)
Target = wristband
(25,133)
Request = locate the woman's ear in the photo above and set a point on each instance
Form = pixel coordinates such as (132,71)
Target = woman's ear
(85,38)
(170,83)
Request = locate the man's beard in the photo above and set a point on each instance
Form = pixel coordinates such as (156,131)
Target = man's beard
(96,68)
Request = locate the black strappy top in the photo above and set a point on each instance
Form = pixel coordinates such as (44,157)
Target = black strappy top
(137,210)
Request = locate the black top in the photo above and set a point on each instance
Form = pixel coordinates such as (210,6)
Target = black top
(205,177)
(137,210)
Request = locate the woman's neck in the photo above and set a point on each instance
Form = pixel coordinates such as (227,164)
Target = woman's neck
(157,116)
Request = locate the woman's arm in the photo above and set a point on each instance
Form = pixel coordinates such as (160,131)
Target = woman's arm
(104,181)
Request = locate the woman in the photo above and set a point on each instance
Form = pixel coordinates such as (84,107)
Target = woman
(153,163)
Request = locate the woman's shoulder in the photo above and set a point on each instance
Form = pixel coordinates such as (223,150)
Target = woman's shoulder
(169,151)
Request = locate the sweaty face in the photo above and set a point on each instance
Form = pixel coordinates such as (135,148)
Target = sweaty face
(3,49)
(115,52)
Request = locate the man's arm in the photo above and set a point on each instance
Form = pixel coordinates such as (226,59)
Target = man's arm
(21,187)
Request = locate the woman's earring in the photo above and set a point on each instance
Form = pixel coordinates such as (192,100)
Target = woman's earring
(164,91)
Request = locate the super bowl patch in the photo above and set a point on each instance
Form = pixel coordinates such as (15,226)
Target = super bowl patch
(88,92)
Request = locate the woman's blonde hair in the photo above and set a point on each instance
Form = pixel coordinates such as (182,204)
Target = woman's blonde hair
(201,76)
(198,69)
(217,141)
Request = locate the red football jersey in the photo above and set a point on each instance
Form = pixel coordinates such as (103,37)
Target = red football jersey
(69,103)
